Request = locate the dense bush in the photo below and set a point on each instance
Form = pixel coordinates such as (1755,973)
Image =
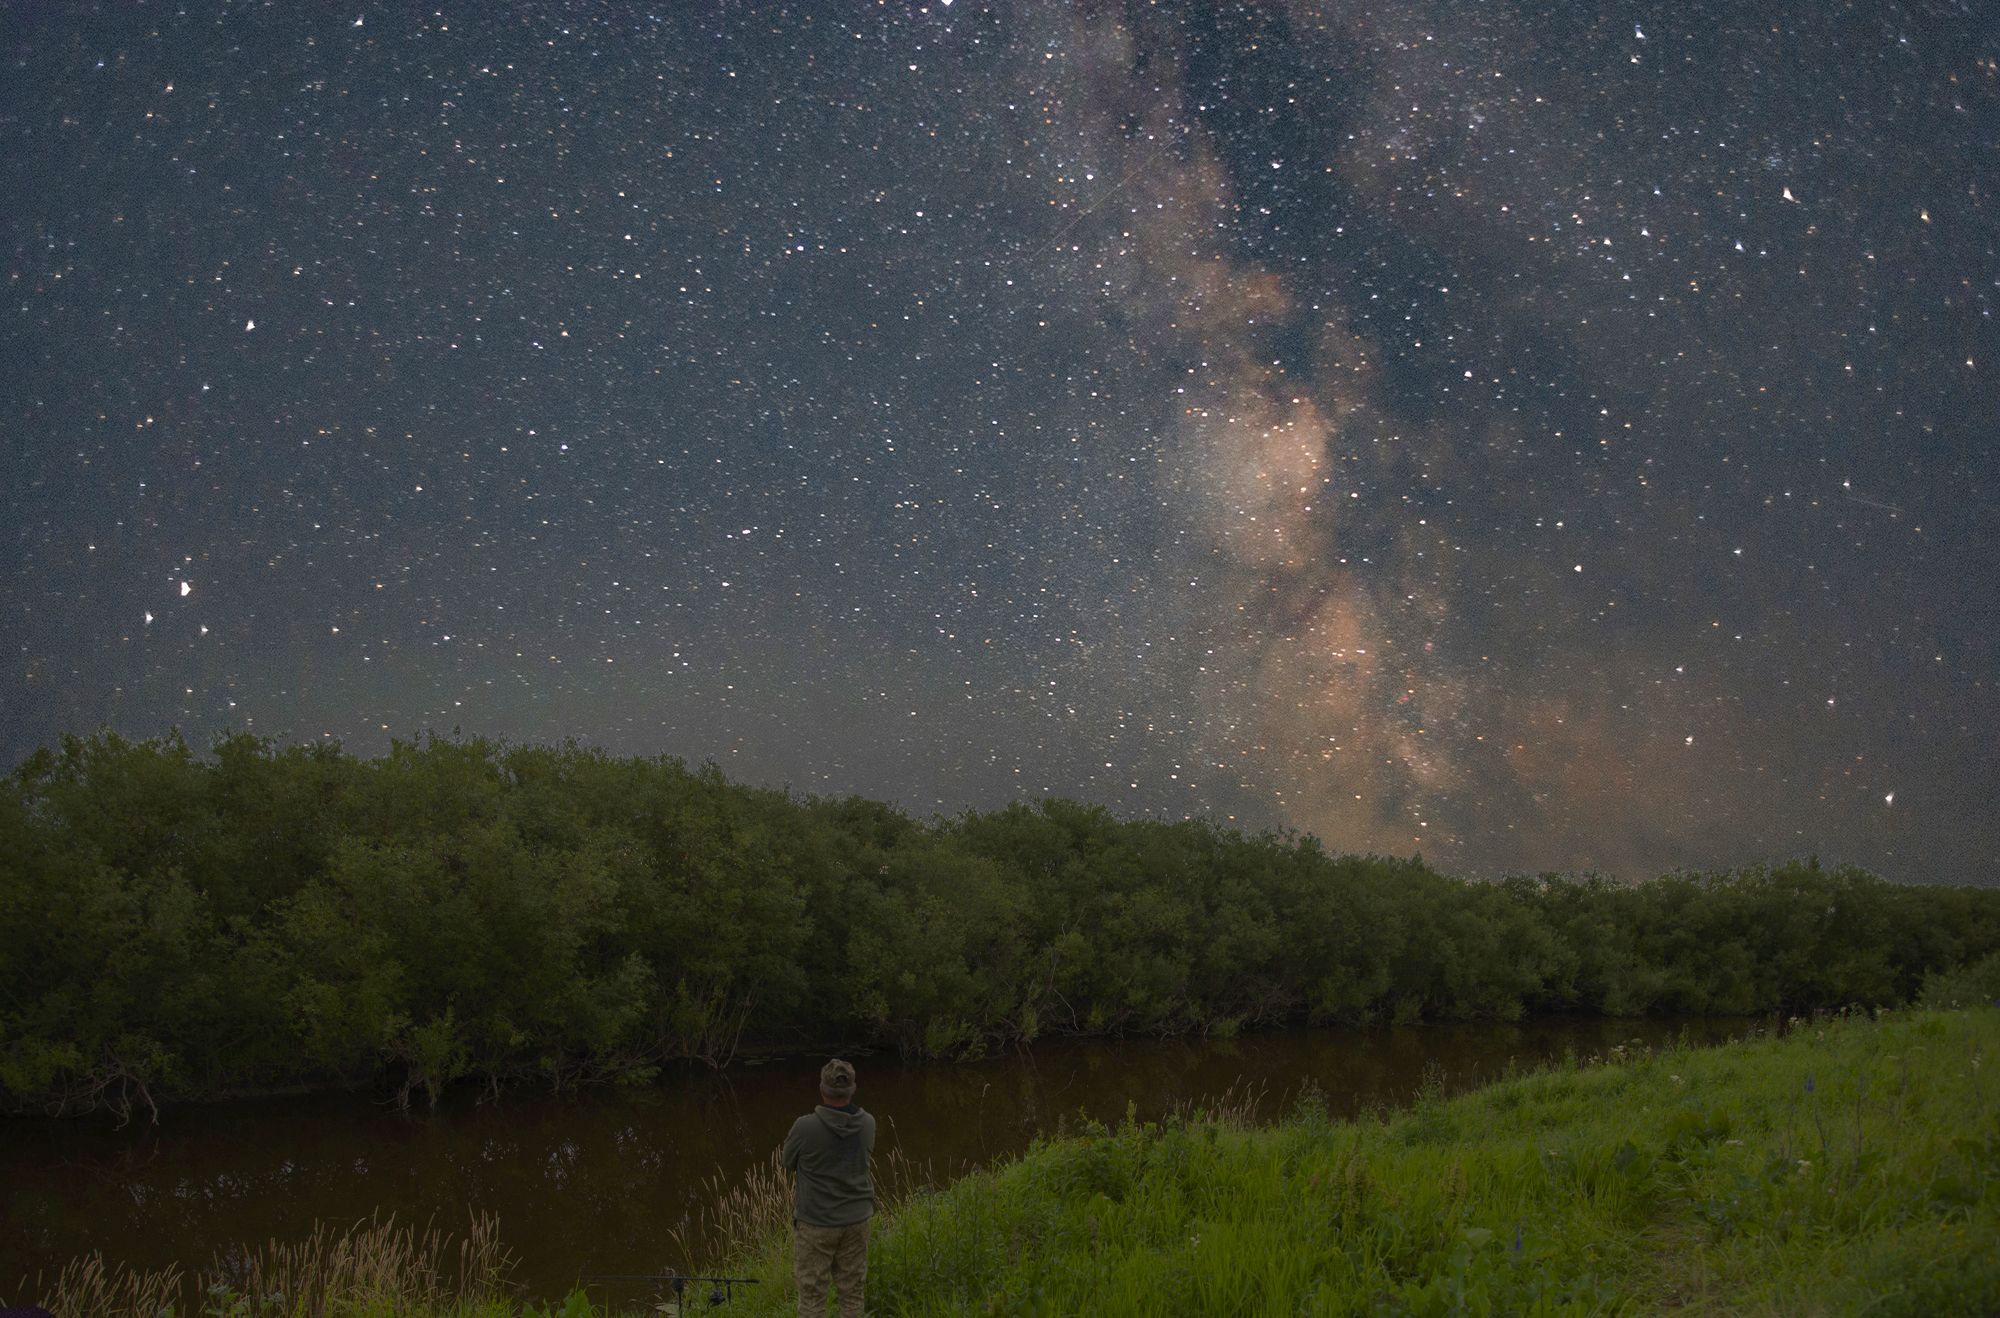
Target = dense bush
(276,916)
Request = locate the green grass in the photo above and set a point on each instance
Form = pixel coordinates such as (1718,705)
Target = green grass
(1850,1167)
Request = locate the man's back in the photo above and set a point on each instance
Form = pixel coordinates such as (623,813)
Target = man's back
(829,1148)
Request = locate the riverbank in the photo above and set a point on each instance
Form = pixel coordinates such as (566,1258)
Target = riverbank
(591,1181)
(1850,1166)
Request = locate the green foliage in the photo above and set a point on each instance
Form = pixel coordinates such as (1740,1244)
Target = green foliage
(1964,986)
(272,916)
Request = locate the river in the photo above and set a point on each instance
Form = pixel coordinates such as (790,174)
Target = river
(594,1182)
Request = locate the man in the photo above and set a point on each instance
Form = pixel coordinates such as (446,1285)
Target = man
(827,1151)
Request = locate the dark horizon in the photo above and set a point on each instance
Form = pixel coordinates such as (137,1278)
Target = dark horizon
(1538,437)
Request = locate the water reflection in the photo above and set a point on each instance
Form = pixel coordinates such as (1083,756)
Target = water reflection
(596,1183)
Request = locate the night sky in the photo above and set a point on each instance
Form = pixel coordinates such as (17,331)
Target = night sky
(1539,436)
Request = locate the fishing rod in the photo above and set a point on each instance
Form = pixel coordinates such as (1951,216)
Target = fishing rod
(721,1289)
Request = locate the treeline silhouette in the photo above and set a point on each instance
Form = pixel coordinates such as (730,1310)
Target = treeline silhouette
(277,917)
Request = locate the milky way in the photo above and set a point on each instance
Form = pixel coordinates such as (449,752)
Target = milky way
(1539,437)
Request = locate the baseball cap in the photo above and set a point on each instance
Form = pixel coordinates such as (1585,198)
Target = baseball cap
(836,1079)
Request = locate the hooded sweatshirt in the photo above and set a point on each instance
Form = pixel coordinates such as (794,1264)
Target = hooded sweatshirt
(829,1148)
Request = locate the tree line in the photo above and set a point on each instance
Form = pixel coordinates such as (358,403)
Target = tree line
(269,917)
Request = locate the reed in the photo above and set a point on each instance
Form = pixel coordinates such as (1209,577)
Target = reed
(752,1215)
(90,1288)
(373,1266)
(1235,1108)
(739,1218)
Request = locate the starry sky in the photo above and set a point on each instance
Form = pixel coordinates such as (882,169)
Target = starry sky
(1542,436)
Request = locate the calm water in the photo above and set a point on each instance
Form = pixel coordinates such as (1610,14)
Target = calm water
(593,1183)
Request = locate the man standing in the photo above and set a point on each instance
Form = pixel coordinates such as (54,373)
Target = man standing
(827,1151)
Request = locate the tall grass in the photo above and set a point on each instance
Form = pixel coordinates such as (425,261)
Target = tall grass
(742,1218)
(1852,1166)
(372,1267)
(88,1288)
(748,1221)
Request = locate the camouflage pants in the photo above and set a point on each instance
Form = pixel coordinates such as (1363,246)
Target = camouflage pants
(837,1254)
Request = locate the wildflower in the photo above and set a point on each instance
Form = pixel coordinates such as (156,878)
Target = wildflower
(1805,1165)
(1676,1079)
(1809,1082)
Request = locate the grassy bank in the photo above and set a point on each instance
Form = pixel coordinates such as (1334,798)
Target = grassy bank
(1850,1167)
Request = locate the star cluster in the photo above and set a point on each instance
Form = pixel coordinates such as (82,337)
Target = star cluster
(1541,436)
